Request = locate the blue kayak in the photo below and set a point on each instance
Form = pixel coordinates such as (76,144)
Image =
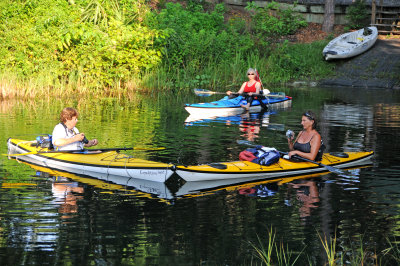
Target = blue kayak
(226,106)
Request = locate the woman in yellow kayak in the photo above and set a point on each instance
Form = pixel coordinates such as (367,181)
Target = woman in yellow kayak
(253,86)
(308,141)
(66,136)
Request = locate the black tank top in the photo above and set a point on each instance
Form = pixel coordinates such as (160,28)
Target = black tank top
(303,147)
(306,148)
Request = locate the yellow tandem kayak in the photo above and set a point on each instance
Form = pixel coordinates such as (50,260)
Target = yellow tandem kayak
(98,161)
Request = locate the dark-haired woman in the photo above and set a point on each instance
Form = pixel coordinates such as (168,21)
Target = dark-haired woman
(308,142)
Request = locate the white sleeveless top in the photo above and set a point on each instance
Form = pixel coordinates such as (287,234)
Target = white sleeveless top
(62,132)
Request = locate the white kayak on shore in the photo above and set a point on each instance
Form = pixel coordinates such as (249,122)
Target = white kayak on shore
(351,43)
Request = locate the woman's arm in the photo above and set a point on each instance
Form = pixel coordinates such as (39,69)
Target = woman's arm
(62,142)
(258,87)
(291,142)
(315,145)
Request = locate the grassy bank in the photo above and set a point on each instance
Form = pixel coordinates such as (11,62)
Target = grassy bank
(286,63)
(119,48)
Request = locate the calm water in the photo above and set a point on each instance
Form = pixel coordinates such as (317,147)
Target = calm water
(48,217)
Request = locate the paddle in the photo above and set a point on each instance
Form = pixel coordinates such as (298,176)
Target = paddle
(329,168)
(206,93)
(86,151)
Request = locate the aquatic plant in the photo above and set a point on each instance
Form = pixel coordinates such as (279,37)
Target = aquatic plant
(274,253)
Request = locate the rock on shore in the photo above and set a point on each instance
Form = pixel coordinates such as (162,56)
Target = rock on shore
(379,67)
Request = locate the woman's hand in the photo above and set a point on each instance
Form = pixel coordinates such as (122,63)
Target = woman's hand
(229,92)
(78,137)
(92,142)
(291,153)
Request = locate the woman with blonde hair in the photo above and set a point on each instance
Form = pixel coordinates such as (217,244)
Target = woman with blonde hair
(253,86)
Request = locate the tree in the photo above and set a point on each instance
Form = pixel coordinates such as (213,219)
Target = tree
(329,16)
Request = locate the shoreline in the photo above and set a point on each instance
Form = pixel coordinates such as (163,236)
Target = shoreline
(379,67)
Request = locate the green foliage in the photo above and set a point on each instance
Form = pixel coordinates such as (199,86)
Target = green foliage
(297,61)
(93,44)
(120,44)
(273,21)
(196,37)
(357,14)
(274,253)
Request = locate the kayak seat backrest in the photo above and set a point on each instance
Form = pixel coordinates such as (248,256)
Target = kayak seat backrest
(367,31)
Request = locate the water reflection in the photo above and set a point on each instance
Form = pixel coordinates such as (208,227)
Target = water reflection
(126,222)
(307,194)
(65,194)
(249,124)
(66,186)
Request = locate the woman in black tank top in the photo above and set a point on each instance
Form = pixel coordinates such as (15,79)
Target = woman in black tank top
(308,141)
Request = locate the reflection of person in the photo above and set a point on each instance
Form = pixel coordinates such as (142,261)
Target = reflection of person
(307,193)
(250,87)
(308,141)
(66,136)
(250,128)
(64,193)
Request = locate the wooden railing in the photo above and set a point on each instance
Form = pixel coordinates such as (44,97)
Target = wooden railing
(385,18)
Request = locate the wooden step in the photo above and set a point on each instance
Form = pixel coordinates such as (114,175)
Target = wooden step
(388,12)
(388,32)
(386,25)
(394,19)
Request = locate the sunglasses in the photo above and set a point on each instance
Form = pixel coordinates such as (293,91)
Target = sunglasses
(250,74)
(308,116)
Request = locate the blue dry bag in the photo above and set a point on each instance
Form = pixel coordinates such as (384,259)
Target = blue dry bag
(264,155)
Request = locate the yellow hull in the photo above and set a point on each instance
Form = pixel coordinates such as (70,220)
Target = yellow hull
(245,169)
(110,162)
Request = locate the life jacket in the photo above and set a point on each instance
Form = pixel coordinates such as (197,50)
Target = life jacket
(260,155)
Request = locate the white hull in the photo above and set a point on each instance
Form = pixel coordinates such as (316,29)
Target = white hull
(350,44)
(200,112)
(156,174)
(251,176)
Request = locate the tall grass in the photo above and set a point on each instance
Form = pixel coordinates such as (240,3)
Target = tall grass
(286,62)
(329,246)
(274,253)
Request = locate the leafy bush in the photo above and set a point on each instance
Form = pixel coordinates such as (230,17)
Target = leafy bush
(196,37)
(357,14)
(296,61)
(273,21)
(94,43)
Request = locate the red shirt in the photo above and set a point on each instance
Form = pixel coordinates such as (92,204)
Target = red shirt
(251,88)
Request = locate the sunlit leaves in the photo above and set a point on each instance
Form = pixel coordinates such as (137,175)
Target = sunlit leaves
(93,42)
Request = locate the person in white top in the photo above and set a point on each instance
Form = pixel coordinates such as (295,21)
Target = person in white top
(66,136)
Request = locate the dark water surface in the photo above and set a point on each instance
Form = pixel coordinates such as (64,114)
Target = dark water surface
(49,217)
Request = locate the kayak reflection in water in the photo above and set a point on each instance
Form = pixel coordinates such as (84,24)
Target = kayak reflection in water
(66,136)
(253,86)
(262,190)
